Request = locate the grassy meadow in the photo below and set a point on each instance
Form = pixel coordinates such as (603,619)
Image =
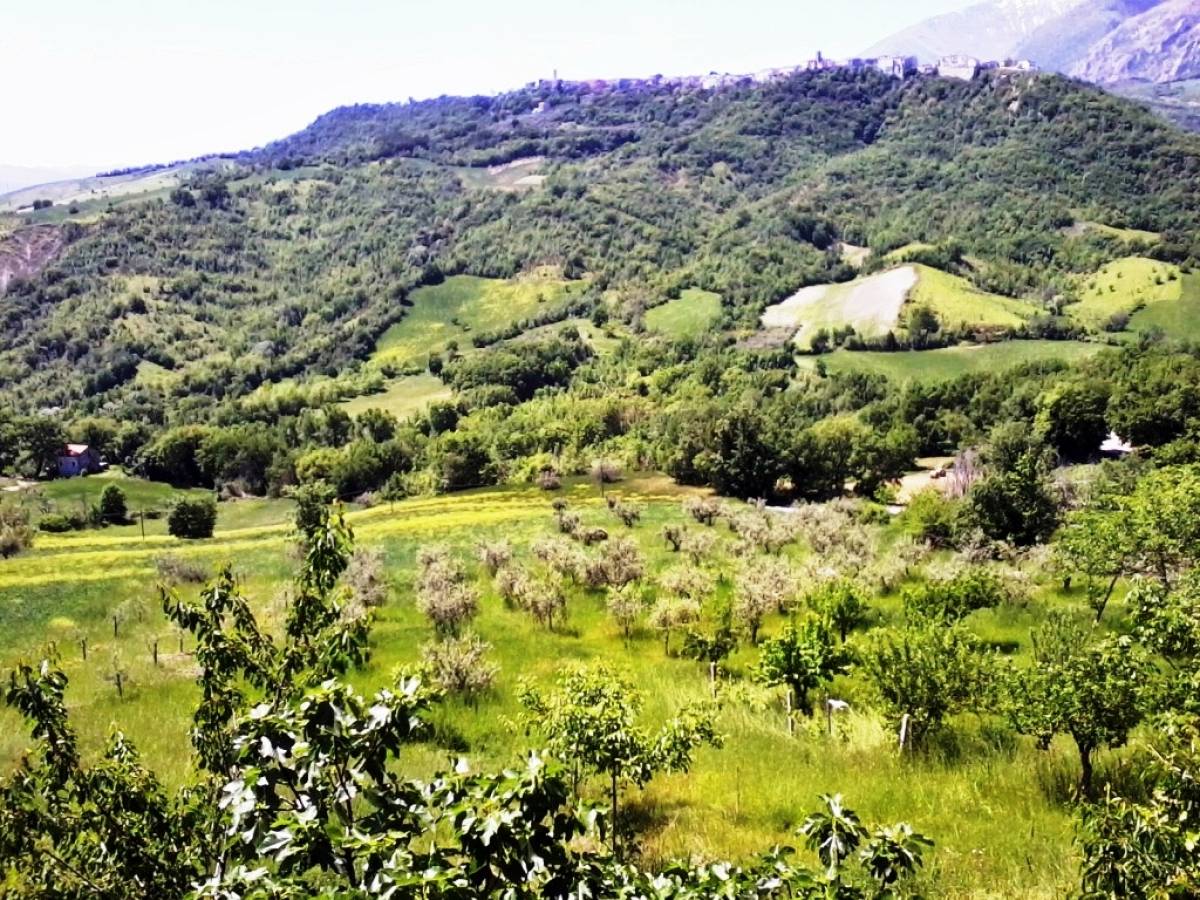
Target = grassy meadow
(946,363)
(1178,318)
(959,304)
(992,802)
(402,397)
(462,306)
(689,315)
(1125,286)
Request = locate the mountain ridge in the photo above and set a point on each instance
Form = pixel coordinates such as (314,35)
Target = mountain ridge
(1160,45)
(1107,43)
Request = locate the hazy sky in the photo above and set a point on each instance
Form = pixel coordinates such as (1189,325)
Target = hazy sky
(121,82)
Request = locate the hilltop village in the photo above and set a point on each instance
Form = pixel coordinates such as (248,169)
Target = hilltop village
(957,66)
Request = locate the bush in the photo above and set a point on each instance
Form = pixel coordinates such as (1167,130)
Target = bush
(931,517)
(55,523)
(112,504)
(15,533)
(951,599)
(192,519)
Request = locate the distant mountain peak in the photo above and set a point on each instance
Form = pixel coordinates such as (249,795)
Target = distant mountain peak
(993,29)
(1162,44)
(1105,41)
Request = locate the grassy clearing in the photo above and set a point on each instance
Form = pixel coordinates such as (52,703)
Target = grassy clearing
(959,304)
(1123,287)
(603,341)
(980,795)
(139,493)
(1178,318)
(520,174)
(688,316)
(903,254)
(402,397)
(1129,235)
(462,306)
(950,362)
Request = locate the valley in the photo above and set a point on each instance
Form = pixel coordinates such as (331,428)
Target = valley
(584,489)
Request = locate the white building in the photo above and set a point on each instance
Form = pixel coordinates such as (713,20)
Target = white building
(897,66)
(958,66)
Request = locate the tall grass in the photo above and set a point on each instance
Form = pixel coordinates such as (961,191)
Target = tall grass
(993,803)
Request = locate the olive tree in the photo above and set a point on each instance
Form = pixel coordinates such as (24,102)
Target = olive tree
(672,612)
(443,594)
(618,563)
(765,585)
(626,604)
(460,665)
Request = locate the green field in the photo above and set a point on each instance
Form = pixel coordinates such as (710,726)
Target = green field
(950,362)
(85,491)
(902,254)
(987,803)
(402,397)
(1129,235)
(1178,318)
(958,304)
(688,316)
(462,306)
(1123,286)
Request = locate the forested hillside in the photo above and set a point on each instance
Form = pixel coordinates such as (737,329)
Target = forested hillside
(258,291)
(294,264)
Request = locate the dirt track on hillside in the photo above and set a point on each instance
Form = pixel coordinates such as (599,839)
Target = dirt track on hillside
(26,252)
